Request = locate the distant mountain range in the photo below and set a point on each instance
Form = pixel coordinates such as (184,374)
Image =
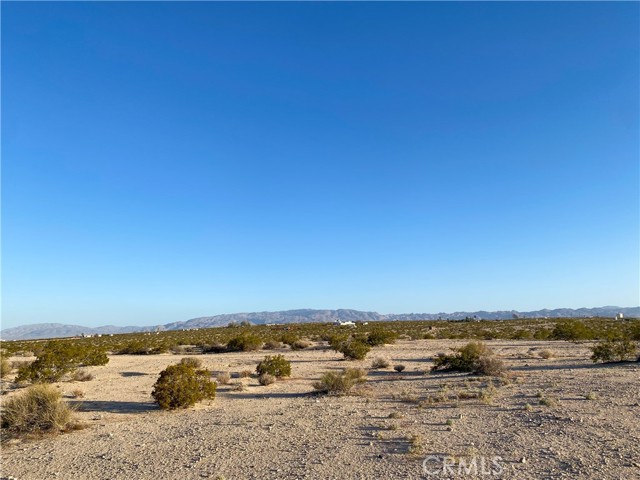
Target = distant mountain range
(54,330)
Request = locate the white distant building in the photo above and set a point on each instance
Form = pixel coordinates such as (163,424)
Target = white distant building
(620,316)
(340,323)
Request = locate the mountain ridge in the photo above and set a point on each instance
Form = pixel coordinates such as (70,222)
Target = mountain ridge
(56,330)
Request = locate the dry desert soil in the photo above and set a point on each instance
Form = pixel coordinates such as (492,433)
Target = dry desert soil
(561,417)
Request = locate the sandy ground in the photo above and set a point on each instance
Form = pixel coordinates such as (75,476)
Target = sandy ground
(284,431)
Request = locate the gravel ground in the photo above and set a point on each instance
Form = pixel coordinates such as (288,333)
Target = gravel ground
(589,429)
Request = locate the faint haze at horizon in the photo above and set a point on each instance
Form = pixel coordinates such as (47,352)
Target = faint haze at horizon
(166,161)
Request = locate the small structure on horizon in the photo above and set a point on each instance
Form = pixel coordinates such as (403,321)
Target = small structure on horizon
(340,323)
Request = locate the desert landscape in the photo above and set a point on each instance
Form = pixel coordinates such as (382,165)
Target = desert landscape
(320,240)
(554,414)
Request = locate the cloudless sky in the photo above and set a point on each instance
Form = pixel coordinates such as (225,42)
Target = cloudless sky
(162,161)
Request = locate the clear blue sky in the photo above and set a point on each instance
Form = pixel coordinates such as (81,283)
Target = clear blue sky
(162,161)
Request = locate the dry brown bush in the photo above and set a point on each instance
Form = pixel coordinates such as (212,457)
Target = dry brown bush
(36,410)
(266,379)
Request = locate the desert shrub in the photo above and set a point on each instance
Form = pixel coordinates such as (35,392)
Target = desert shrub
(180,349)
(38,409)
(380,336)
(60,358)
(192,362)
(81,376)
(633,331)
(245,373)
(237,386)
(289,338)
(490,366)
(77,393)
(326,336)
(465,360)
(353,349)
(546,354)
(416,444)
(548,401)
(380,362)
(272,345)
(143,347)
(521,334)
(300,345)
(266,379)
(181,386)
(18,364)
(613,351)
(244,343)
(399,368)
(336,340)
(542,334)
(223,378)
(340,383)
(213,348)
(278,366)
(25,353)
(571,330)
(474,357)
(5,367)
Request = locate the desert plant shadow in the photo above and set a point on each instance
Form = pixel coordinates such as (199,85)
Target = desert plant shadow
(133,374)
(253,396)
(373,373)
(574,366)
(113,406)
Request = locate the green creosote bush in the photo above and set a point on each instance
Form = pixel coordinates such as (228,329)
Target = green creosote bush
(289,338)
(399,368)
(58,359)
(142,347)
(36,410)
(475,357)
(571,330)
(5,367)
(340,383)
(617,350)
(633,331)
(380,336)
(352,349)
(278,366)
(213,348)
(244,343)
(181,386)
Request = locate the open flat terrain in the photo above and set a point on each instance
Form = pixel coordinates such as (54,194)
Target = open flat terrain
(561,417)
